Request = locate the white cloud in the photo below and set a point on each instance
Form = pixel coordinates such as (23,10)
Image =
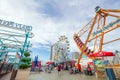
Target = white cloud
(74,14)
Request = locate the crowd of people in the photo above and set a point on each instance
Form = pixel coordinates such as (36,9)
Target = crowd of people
(48,68)
(72,68)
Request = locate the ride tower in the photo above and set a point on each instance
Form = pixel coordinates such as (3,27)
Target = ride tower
(104,22)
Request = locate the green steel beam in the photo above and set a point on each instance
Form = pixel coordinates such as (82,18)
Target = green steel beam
(12,40)
(20,35)
(25,44)
(15,44)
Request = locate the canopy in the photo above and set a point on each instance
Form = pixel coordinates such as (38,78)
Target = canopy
(90,63)
(102,54)
(71,61)
(49,62)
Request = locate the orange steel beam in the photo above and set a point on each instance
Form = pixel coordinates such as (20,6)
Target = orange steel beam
(104,33)
(108,14)
(91,28)
(104,21)
(102,37)
(84,29)
(99,18)
(101,42)
(111,41)
(110,10)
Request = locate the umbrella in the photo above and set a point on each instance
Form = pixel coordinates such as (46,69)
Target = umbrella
(49,62)
(90,63)
(102,54)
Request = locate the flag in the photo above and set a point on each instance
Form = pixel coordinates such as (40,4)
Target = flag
(5,58)
(18,56)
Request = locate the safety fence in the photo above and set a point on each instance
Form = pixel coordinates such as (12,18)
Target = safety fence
(5,68)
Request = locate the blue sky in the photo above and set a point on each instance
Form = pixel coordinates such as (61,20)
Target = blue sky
(53,18)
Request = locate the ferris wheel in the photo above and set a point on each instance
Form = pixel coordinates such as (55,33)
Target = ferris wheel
(61,49)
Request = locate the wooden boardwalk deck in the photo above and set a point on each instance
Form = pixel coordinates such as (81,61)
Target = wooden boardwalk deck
(6,77)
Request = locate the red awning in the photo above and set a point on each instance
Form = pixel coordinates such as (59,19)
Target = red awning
(101,54)
(72,61)
(90,63)
(49,62)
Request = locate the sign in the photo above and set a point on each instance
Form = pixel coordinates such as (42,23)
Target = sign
(14,25)
(106,28)
(101,62)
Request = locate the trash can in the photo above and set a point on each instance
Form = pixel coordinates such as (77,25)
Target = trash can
(85,72)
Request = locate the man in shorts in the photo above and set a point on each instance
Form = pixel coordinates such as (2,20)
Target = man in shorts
(59,68)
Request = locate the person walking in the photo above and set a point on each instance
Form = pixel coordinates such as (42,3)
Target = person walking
(59,68)
(89,70)
(49,69)
(79,67)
